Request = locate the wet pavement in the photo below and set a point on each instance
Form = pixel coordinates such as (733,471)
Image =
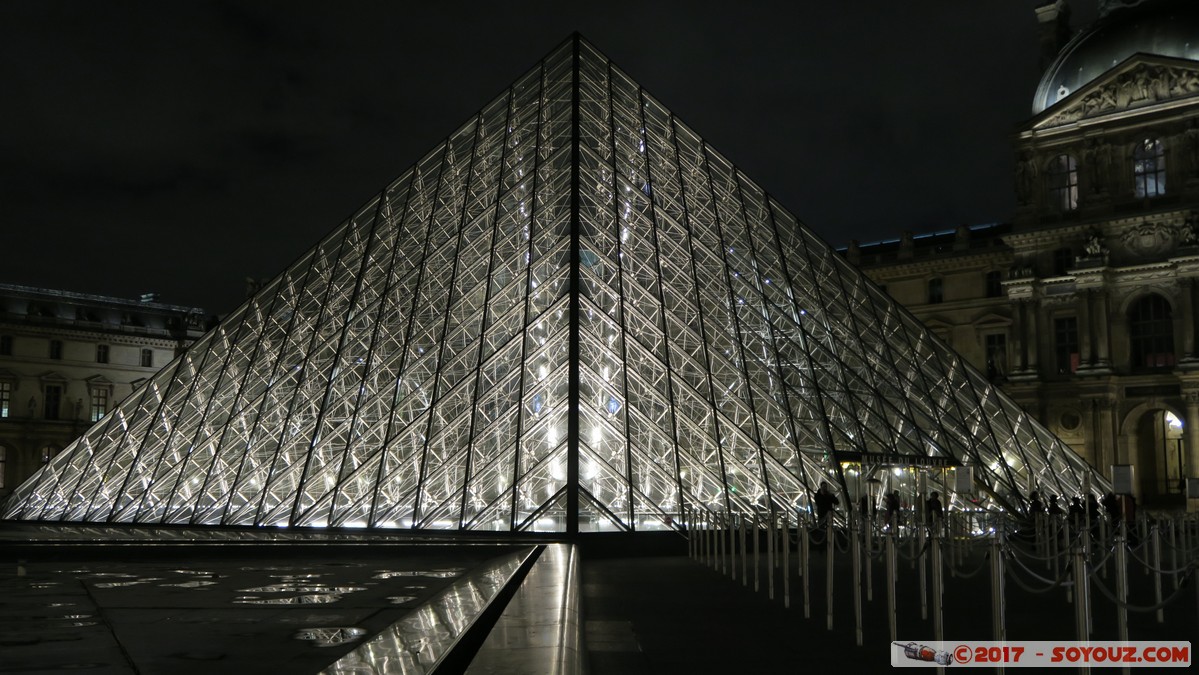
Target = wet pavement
(289,612)
(291,608)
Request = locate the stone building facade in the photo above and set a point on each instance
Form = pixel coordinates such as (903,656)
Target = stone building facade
(1083,308)
(66,359)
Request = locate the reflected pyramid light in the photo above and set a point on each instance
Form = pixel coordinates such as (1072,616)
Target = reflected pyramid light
(573,314)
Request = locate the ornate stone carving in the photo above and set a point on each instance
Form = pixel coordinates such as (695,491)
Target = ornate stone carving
(1191,396)
(1097,157)
(1187,236)
(1142,85)
(1150,239)
(1026,178)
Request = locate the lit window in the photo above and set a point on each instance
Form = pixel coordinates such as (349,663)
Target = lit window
(99,403)
(5,345)
(934,291)
(994,284)
(5,399)
(1151,333)
(1065,344)
(56,349)
(48,453)
(101,353)
(147,358)
(1149,168)
(1063,183)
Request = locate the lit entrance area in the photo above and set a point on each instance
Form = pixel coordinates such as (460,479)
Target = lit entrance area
(1159,455)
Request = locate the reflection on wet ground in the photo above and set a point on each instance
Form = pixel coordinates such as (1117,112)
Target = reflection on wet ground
(179,613)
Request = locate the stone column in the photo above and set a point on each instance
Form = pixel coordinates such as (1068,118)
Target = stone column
(1018,336)
(1186,287)
(1191,432)
(1084,329)
(1102,319)
(1032,335)
(1107,436)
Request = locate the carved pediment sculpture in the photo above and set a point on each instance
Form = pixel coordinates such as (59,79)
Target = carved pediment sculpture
(1150,240)
(1141,80)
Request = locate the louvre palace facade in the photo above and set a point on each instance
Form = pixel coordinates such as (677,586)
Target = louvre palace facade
(67,359)
(1083,307)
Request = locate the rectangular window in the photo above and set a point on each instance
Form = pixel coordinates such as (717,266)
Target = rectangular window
(995,346)
(147,358)
(56,349)
(99,402)
(53,401)
(1065,344)
(935,291)
(101,353)
(1063,259)
(5,345)
(995,284)
(5,399)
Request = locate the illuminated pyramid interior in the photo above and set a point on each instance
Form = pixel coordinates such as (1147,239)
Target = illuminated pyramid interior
(573,314)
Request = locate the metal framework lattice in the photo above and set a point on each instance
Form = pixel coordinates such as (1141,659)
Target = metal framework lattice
(571,314)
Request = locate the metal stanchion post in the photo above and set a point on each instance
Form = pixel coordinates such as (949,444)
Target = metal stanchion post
(1082,597)
(757,531)
(770,556)
(938,589)
(722,542)
(743,542)
(1065,546)
(1103,543)
(923,575)
(829,545)
(786,560)
(869,534)
(1174,552)
(892,572)
(1121,583)
(1156,534)
(998,623)
(804,552)
(856,544)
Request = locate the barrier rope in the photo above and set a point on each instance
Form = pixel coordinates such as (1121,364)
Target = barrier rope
(1142,608)
(980,568)
(1053,583)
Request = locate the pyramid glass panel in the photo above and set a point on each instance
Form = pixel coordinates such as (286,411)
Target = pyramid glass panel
(572,314)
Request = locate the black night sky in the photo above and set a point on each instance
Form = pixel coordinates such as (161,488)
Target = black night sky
(179,147)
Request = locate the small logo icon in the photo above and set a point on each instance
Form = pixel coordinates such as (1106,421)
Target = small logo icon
(925,653)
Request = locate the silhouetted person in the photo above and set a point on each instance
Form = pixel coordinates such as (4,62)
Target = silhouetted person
(826,501)
(1093,508)
(1078,512)
(1055,509)
(1112,506)
(934,508)
(891,506)
(1035,506)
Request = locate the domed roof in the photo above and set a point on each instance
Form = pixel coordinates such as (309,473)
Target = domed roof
(1165,28)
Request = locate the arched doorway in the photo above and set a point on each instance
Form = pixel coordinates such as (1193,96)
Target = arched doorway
(1158,453)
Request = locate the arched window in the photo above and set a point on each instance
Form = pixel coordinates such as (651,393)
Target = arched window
(1151,333)
(934,291)
(1149,168)
(1063,183)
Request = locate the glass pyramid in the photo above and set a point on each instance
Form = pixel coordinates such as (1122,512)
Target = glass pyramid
(572,314)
